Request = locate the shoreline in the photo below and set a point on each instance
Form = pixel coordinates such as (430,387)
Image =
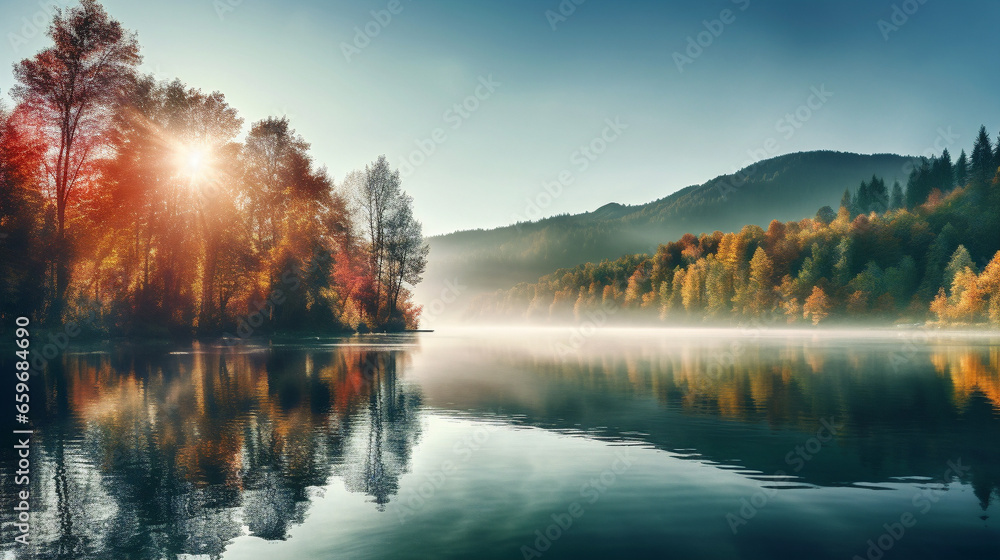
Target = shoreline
(585,328)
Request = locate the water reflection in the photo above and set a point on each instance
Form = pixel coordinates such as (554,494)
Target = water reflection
(905,409)
(154,452)
(150,453)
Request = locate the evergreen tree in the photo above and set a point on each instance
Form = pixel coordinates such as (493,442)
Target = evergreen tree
(936,259)
(982,160)
(913,197)
(996,158)
(878,196)
(919,185)
(962,169)
(860,201)
(847,202)
(898,200)
(871,197)
(944,172)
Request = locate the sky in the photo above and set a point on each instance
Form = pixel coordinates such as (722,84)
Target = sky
(497,111)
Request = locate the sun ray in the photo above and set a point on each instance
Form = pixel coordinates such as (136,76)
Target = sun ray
(193,160)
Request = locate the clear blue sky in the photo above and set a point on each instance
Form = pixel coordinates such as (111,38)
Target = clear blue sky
(607,60)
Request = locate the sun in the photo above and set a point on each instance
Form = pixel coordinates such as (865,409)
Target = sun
(193,160)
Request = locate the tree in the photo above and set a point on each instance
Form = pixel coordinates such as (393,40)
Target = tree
(375,191)
(676,301)
(879,201)
(943,172)
(989,282)
(406,253)
(898,199)
(168,207)
(847,201)
(860,200)
(26,220)
(277,167)
(919,185)
(134,196)
(935,259)
(693,289)
(825,215)
(842,266)
(996,157)
(71,86)
(789,301)
(760,290)
(396,253)
(967,298)
(963,302)
(960,261)
(663,300)
(718,289)
(982,168)
(814,267)
(817,306)
(962,170)
(940,306)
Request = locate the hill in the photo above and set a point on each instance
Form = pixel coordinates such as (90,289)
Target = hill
(929,253)
(788,187)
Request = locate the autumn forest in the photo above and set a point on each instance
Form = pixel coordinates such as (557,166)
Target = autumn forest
(926,253)
(142,207)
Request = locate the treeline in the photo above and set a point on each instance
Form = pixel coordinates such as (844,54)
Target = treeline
(131,204)
(785,187)
(929,252)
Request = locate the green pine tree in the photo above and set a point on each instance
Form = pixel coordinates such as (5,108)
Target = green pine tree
(982,160)
(962,170)
(898,200)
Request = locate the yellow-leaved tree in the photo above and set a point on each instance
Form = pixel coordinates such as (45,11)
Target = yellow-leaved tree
(817,307)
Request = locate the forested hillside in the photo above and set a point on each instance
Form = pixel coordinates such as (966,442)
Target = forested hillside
(786,188)
(927,252)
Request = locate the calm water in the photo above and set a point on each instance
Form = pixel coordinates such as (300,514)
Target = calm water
(498,444)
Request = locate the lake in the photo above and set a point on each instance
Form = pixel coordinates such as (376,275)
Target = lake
(533,443)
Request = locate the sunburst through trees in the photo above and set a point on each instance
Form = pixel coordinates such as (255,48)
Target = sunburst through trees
(136,198)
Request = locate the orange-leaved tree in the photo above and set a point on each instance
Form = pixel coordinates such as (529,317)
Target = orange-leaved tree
(72,87)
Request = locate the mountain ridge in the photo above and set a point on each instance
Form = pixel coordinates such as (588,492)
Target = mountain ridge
(715,182)
(787,187)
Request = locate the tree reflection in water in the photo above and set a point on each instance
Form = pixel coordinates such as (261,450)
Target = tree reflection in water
(147,453)
(150,454)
